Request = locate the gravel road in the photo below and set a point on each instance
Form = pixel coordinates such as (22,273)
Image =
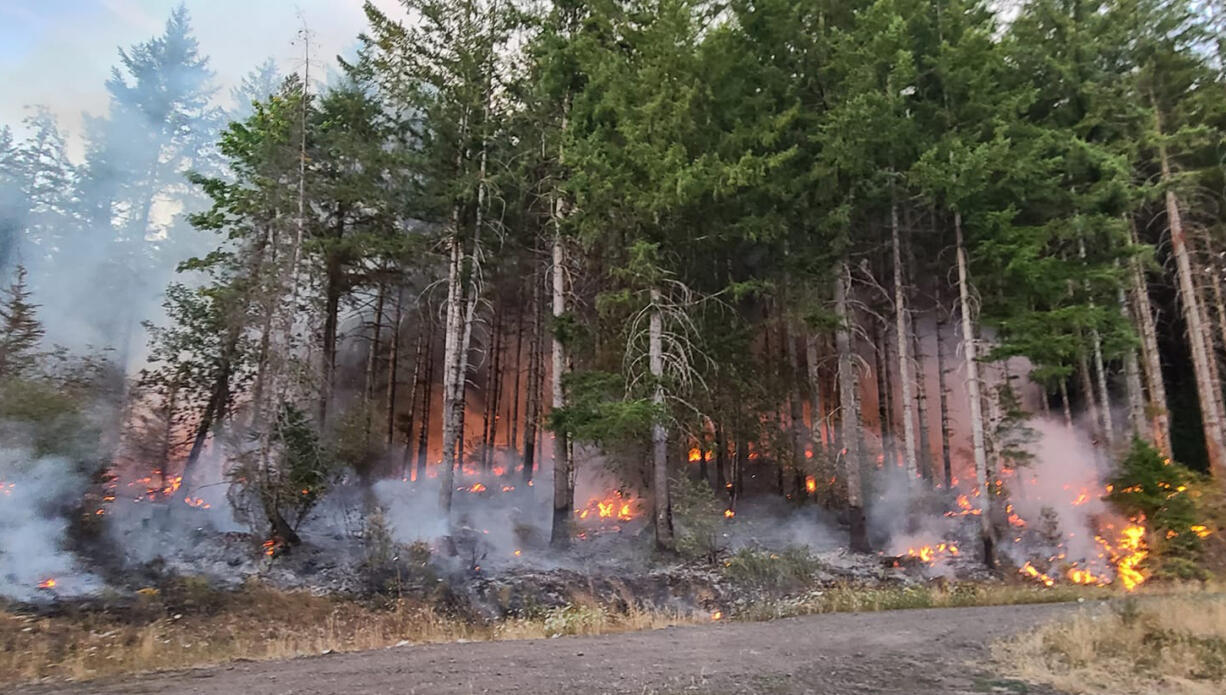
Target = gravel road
(895,652)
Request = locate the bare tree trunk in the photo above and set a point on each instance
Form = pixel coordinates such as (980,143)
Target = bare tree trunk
(970,354)
(721,459)
(1132,378)
(372,354)
(1205,386)
(796,413)
(858,525)
(453,327)
(393,366)
(882,364)
(904,348)
(662,502)
(414,389)
(427,403)
(1100,371)
(513,437)
(533,397)
(943,390)
(1068,409)
(563,471)
(489,421)
(1160,422)
(1087,386)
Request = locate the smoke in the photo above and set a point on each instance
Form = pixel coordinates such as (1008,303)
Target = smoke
(37,497)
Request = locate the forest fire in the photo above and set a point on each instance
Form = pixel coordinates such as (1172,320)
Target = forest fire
(617,506)
(930,554)
(1030,571)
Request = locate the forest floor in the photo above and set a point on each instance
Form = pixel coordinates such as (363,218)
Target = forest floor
(943,650)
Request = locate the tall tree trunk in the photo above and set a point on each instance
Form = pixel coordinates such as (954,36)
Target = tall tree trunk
(1087,386)
(1160,423)
(393,366)
(532,400)
(453,329)
(943,391)
(368,398)
(721,459)
(850,417)
(969,351)
(796,414)
(661,501)
(1205,386)
(490,412)
(333,278)
(563,470)
(904,347)
(1132,378)
(1064,402)
(415,386)
(427,403)
(889,457)
(513,437)
(1100,370)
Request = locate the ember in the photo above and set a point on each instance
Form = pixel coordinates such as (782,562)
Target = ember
(47,584)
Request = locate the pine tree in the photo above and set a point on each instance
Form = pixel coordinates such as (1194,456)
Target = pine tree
(20,329)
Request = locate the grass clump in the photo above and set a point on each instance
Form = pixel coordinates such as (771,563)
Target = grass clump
(1172,644)
(791,568)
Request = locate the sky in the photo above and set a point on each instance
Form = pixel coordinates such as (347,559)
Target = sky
(59,53)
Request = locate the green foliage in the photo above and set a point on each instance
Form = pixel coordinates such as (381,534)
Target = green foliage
(597,411)
(285,482)
(1167,494)
(699,518)
(20,330)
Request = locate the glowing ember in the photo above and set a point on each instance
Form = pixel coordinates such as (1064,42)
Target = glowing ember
(717,615)
(270,547)
(728,513)
(197,502)
(810,484)
(1200,530)
(695,455)
(47,584)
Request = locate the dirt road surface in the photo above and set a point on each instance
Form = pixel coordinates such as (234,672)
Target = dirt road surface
(926,652)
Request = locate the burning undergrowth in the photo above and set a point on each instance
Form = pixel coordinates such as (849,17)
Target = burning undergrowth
(493,558)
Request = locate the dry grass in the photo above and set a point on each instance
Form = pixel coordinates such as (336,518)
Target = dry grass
(259,623)
(1172,644)
(189,624)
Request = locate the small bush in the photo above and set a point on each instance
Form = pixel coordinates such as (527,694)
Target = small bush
(792,568)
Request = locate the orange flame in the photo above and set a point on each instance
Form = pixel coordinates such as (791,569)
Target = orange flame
(47,584)
(728,513)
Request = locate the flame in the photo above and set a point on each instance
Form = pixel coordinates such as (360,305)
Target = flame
(695,455)
(1200,530)
(728,513)
(717,615)
(615,507)
(47,584)
(929,554)
(197,502)
(965,507)
(810,484)
(1030,571)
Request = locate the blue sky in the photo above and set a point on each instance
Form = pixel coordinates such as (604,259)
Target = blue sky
(58,53)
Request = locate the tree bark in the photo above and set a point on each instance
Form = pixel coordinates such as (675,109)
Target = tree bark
(969,351)
(1132,378)
(943,392)
(427,403)
(393,366)
(1205,386)
(661,501)
(532,400)
(513,437)
(1160,423)
(563,470)
(850,418)
(904,347)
